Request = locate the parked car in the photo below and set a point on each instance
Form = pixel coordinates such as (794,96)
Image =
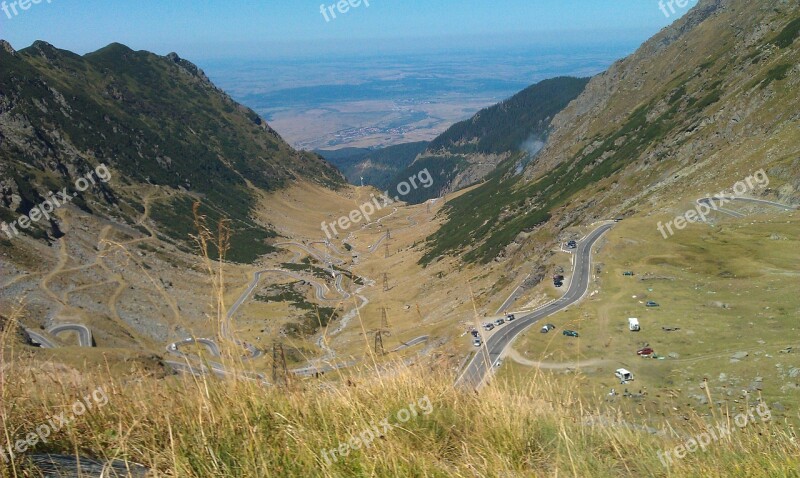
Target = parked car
(570,333)
(558,284)
(645,352)
(477,342)
(627,273)
(650,303)
(572,244)
(499,322)
(475,333)
(547,328)
(558,278)
(633,325)
(488,326)
(623,375)
(511,317)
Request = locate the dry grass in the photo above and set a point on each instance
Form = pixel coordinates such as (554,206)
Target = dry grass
(203,427)
(208,427)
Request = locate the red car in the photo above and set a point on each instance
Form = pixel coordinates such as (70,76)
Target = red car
(645,352)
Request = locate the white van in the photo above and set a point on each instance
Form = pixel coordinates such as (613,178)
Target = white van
(623,375)
(633,325)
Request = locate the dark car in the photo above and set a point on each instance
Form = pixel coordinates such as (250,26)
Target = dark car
(474,333)
(511,317)
(627,273)
(558,284)
(570,333)
(645,352)
(650,303)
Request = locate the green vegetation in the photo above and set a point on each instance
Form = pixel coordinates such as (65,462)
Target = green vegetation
(506,126)
(519,123)
(152,120)
(488,218)
(442,169)
(788,35)
(778,73)
(377,167)
(248,241)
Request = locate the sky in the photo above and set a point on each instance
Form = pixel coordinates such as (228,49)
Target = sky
(219,29)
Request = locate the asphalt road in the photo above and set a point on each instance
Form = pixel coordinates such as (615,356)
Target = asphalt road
(482,364)
(713,204)
(40,339)
(85,338)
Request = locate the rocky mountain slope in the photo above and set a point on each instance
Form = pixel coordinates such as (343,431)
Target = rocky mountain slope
(703,104)
(152,121)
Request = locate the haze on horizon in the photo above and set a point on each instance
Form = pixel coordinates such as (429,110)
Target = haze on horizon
(205,29)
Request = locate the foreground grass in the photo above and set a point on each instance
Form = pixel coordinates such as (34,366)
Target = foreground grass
(191,427)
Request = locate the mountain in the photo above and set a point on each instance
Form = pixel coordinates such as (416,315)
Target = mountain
(470,150)
(703,104)
(515,124)
(151,120)
(378,167)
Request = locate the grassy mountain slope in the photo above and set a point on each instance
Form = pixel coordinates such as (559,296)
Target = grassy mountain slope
(512,124)
(413,421)
(701,105)
(152,120)
(471,149)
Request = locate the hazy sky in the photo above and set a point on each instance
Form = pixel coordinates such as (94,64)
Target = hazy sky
(247,28)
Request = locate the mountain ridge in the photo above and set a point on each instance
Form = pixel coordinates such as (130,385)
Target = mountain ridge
(153,120)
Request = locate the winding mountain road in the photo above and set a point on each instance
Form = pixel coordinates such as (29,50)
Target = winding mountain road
(482,364)
(40,339)
(711,202)
(85,338)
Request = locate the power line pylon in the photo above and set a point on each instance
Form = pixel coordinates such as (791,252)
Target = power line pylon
(379,350)
(279,364)
(385,281)
(388,233)
(386,254)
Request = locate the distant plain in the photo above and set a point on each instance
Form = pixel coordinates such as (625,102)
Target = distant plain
(359,101)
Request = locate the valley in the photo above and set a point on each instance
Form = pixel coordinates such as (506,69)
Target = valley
(279,267)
